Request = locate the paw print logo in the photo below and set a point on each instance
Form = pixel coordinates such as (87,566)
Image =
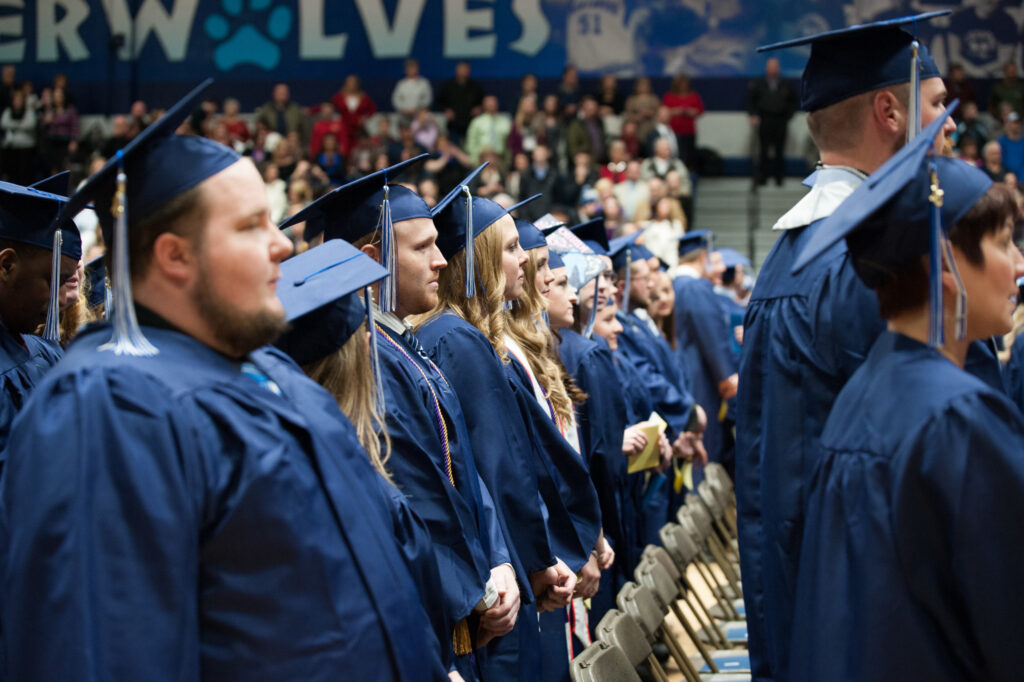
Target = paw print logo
(244,43)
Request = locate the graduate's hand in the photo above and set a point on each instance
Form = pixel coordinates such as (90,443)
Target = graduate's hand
(700,455)
(666,450)
(558,592)
(702,420)
(501,617)
(605,553)
(728,387)
(633,441)
(589,579)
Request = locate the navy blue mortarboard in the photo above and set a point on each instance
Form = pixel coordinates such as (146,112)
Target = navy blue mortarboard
(353,210)
(96,281)
(623,251)
(731,258)
(460,218)
(593,234)
(361,207)
(900,213)
(554,260)
(29,215)
(515,207)
(530,236)
(693,241)
(70,238)
(318,290)
(151,170)
(857,59)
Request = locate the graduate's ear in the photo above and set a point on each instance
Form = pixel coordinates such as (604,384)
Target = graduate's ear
(888,112)
(174,257)
(371,251)
(8,265)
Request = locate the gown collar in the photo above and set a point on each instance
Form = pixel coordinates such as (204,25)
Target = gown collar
(832,185)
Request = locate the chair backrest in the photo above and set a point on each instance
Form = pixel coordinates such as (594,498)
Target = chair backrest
(603,662)
(651,575)
(697,514)
(722,488)
(664,559)
(638,602)
(707,495)
(619,629)
(717,474)
(679,545)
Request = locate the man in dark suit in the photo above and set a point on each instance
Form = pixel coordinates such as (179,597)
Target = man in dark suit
(771,104)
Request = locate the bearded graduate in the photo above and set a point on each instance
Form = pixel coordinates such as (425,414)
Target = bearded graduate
(431,458)
(465,336)
(214,515)
(912,538)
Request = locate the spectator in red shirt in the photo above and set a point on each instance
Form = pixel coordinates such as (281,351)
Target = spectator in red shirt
(355,107)
(329,122)
(238,129)
(685,105)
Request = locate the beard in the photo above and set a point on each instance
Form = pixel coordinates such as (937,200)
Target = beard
(238,331)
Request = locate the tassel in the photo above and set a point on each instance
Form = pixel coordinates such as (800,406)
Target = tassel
(108,299)
(588,332)
(461,641)
(374,351)
(470,258)
(936,323)
(127,338)
(914,110)
(52,330)
(388,291)
(625,294)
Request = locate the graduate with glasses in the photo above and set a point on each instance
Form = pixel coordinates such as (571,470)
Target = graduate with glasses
(912,550)
(204,510)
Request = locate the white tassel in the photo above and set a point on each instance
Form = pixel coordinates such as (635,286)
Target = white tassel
(470,256)
(52,330)
(128,339)
(914,110)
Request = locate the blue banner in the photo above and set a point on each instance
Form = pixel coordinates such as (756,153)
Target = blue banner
(131,47)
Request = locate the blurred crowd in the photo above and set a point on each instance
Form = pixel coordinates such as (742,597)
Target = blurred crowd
(621,150)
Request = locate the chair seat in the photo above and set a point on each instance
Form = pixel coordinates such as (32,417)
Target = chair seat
(729,662)
(737,604)
(735,632)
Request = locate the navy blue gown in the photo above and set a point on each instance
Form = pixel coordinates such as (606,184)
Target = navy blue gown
(702,343)
(196,525)
(508,466)
(466,535)
(913,547)
(603,419)
(24,359)
(1014,373)
(803,336)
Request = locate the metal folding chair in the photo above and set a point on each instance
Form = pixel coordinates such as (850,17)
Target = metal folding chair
(602,662)
(620,629)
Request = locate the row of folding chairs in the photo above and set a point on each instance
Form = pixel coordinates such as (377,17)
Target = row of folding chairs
(699,547)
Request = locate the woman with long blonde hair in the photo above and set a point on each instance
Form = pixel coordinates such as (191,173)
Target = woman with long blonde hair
(539,483)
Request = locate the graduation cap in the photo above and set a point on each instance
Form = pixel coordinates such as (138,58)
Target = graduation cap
(361,207)
(581,263)
(459,218)
(151,170)
(622,251)
(319,292)
(902,212)
(57,186)
(96,281)
(530,236)
(548,223)
(857,59)
(515,207)
(554,260)
(694,241)
(593,234)
(731,258)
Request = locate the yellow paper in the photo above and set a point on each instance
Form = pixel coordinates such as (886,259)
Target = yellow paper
(683,476)
(650,458)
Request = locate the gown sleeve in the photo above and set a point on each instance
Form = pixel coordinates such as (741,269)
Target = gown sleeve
(112,451)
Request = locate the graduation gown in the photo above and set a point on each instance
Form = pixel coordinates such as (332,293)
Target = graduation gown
(603,419)
(188,523)
(462,530)
(702,343)
(913,548)
(1014,373)
(24,359)
(573,512)
(508,466)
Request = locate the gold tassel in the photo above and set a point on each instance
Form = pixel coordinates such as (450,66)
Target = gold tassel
(461,641)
